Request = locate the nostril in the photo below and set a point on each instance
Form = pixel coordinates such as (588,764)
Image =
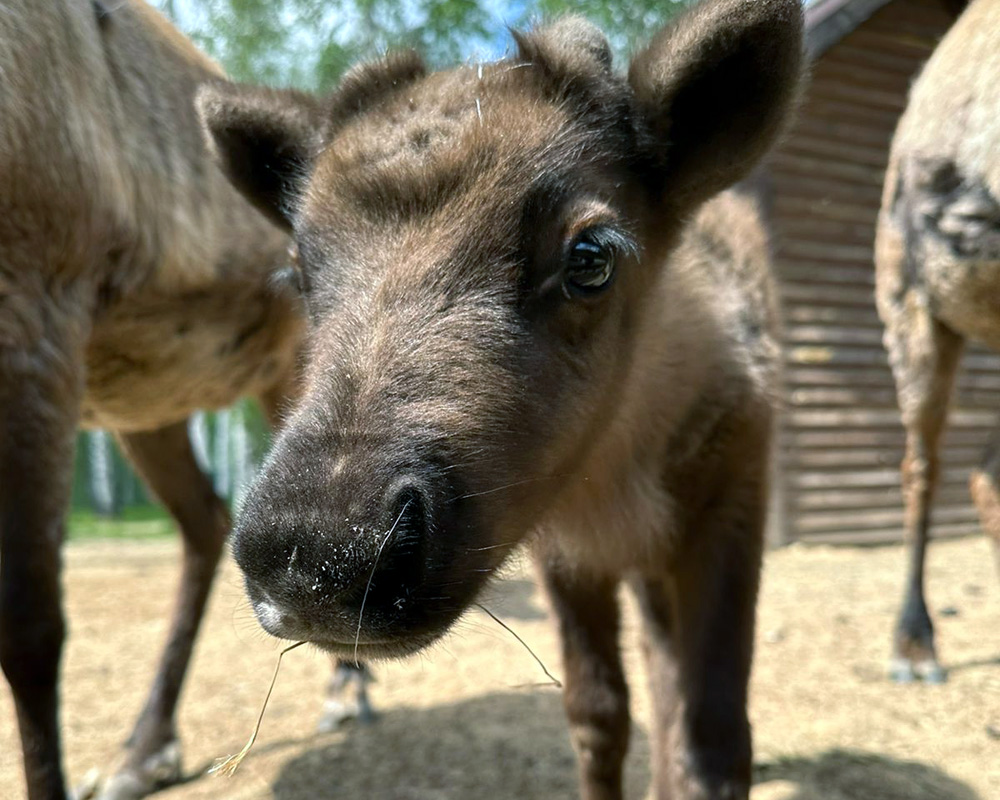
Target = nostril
(398,560)
(406,512)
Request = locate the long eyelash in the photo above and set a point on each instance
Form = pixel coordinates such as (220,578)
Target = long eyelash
(620,242)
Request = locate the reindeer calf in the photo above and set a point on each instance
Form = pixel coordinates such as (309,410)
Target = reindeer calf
(513,336)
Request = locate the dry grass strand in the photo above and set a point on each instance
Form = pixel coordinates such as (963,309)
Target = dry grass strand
(228,766)
(554,681)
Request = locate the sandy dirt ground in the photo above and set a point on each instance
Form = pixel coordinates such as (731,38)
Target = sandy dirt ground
(827,724)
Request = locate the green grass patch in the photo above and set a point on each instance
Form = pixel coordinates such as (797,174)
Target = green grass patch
(136,522)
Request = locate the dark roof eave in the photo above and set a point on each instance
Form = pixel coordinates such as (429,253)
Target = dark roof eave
(829,21)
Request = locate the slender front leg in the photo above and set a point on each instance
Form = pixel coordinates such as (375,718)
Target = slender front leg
(41,383)
(165,459)
(705,618)
(594,693)
(346,696)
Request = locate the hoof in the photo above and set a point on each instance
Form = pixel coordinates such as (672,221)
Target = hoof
(903,670)
(336,714)
(130,782)
(347,698)
(932,672)
(366,714)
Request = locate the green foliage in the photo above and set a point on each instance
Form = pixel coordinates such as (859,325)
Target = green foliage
(627,23)
(134,522)
(128,493)
(310,43)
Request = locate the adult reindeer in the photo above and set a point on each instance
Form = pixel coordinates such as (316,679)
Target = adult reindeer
(938,276)
(135,286)
(513,336)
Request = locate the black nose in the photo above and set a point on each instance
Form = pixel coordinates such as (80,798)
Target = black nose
(323,564)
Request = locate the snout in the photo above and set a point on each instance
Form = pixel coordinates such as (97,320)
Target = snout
(338,570)
(358,556)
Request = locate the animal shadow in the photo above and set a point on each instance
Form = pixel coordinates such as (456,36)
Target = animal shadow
(856,775)
(502,746)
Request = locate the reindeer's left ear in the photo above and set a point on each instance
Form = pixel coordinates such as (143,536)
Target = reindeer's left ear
(715,88)
(265,140)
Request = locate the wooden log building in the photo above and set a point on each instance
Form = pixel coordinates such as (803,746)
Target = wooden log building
(841,439)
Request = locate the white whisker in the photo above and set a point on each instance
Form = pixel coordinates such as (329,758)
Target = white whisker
(489,547)
(378,555)
(509,486)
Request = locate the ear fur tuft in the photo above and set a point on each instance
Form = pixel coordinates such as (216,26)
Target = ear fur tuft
(570,44)
(364,84)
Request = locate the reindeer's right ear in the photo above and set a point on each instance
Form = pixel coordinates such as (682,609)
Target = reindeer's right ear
(716,87)
(265,140)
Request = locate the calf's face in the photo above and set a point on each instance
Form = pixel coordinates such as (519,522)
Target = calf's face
(476,247)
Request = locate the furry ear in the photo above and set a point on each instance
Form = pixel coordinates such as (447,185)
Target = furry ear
(265,140)
(715,88)
(571,47)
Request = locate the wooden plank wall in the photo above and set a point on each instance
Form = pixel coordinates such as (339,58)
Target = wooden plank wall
(841,440)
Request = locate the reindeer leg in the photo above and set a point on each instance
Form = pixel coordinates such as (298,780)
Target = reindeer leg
(925,356)
(704,617)
(347,690)
(659,650)
(152,757)
(346,696)
(595,695)
(41,384)
(985,486)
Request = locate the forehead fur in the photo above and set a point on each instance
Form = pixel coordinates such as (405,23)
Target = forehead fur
(414,140)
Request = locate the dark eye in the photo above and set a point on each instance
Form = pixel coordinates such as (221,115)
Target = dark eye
(590,266)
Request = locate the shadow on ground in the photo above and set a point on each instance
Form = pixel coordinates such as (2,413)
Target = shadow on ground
(855,775)
(515,747)
(975,663)
(496,747)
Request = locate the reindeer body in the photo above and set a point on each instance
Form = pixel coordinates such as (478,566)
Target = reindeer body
(707,341)
(644,507)
(938,278)
(135,287)
(157,358)
(516,336)
(116,203)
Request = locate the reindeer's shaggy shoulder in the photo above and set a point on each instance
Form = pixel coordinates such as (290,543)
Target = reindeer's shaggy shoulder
(952,107)
(938,243)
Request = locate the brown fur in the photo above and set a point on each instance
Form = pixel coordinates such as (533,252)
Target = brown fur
(135,286)
(464,395)
(938,277)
